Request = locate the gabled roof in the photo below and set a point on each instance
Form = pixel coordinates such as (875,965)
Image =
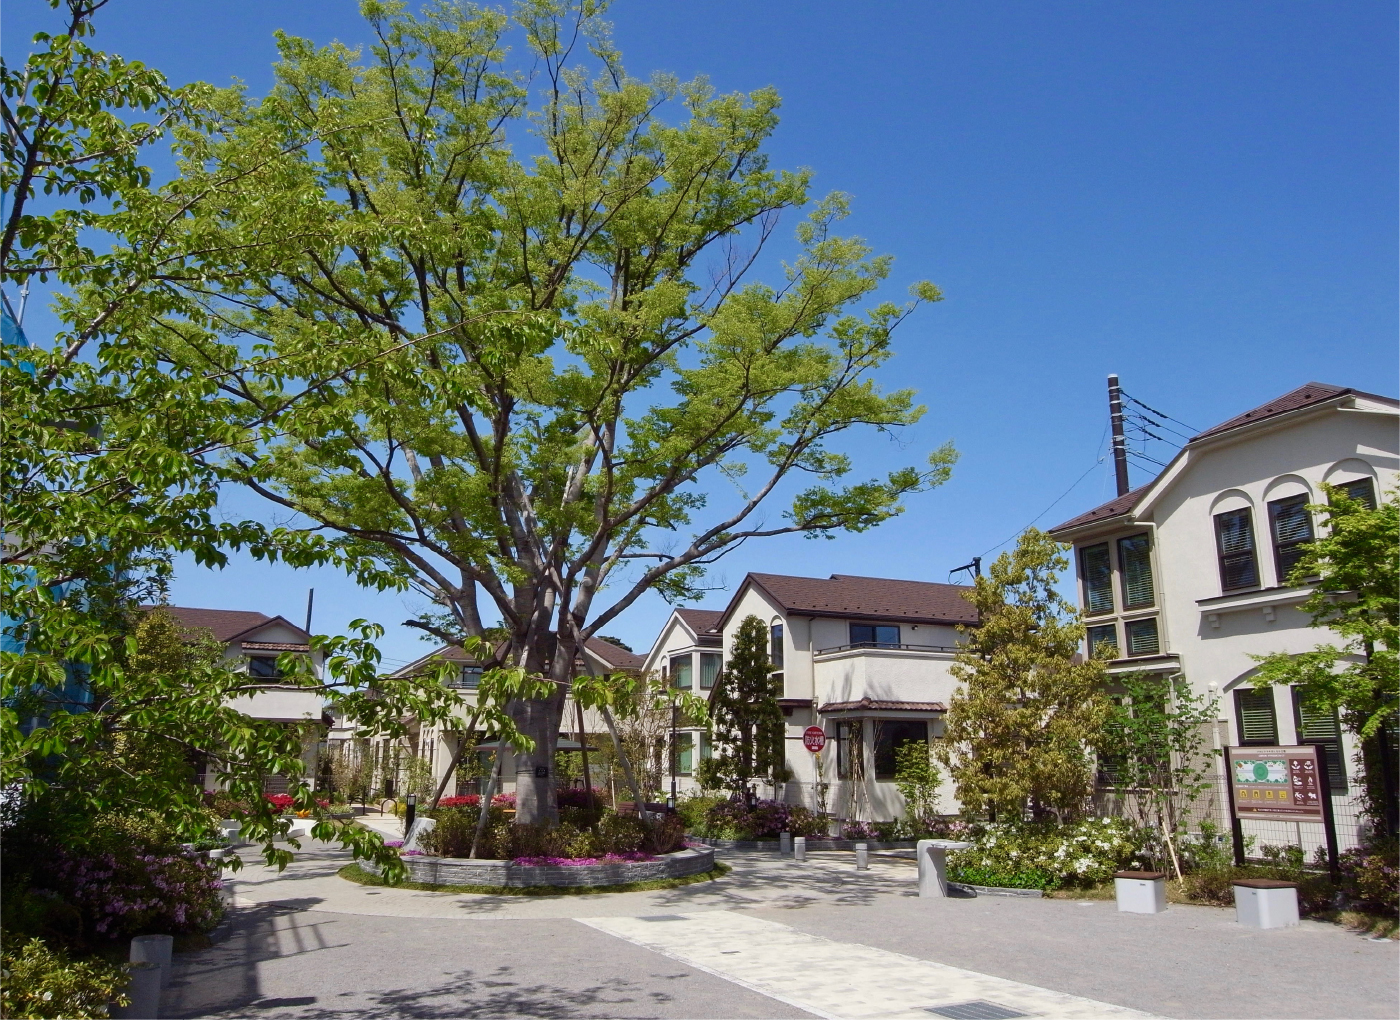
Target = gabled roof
(1294,400)
(876,705)
(702,621)
(1105,511)
(1308,395)
(227,625)
(613,655)
(875,598)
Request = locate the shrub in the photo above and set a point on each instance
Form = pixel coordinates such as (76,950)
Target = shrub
(1046,855)
(1372,877)
(504,840)
(42,982)
(732,819)
(694,810)
(472,800)
(140,891)
(281,801)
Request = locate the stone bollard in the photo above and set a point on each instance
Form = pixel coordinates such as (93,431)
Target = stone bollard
(799,848)
(144,993)
(933,865)
(154,949)
(784,843)
(862,857)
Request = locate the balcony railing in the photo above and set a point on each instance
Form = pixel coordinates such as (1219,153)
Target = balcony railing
(854,645)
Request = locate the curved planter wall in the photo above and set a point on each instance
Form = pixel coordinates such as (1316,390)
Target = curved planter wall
(463,871)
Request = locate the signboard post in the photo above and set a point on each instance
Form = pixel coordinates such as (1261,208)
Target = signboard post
(814,739)
(1280,784)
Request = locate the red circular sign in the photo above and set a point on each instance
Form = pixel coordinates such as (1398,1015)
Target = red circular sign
(813,739)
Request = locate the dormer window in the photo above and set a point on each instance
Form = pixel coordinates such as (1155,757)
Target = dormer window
(1094,568)
(1292,529)
(264,666)
(1234,534)
(865,635)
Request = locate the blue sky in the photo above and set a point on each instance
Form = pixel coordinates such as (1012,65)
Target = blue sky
(1198,196)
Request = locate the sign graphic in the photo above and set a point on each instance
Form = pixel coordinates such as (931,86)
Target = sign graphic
(813,739)
(1277,783)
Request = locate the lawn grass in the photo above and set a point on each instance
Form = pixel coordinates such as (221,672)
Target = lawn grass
(357,874)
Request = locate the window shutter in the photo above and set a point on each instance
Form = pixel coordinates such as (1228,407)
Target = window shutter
(1254,711)
(1323,728)
(1135,562)
(1098,579)
(1235,535)
(1363,489)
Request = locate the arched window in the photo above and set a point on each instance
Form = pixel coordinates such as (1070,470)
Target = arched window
(775,645)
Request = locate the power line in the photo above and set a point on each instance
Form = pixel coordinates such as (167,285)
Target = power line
(1050,507)
(1162,414)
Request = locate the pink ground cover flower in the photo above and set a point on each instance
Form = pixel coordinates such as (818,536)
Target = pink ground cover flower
(579,862)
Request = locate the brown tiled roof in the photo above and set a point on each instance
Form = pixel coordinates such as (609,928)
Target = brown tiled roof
(224,624)
(882,706)
(876,598)
(612,654)
(701,621)
(275,646)
(1304,396)
(1113,508)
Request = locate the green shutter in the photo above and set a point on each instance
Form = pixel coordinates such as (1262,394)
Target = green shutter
(1255,712)
(1135,563)
(1322,728)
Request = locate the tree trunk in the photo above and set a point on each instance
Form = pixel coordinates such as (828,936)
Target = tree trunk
(626,765)
(535,801)
(485,806)
(462,742)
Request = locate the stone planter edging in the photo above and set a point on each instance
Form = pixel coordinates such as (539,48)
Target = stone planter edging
(464,871)
(813,843)
(997,890)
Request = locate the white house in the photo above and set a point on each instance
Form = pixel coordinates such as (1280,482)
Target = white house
(689,652)
(1188,574)
(252,643)
(436,744)
(866,660)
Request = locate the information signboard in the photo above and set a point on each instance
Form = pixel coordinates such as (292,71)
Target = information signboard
(1277,783)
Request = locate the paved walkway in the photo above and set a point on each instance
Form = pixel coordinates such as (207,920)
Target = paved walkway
(772,939)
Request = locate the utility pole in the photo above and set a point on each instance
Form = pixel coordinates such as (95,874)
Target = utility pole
(1120,446)
(310,601)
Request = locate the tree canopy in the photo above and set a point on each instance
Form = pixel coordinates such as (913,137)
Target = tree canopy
(1020,729)
(493,336)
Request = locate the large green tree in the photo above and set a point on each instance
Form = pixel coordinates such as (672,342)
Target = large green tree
(1353,569)
(506,351)
(110,459)
(746,722)
(1021,727)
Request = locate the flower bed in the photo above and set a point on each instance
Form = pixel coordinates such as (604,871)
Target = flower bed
(573,873)
(813,843)
(1046,856)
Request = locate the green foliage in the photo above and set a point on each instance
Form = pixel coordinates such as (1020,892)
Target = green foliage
(764,819)
(1047,855)
(1353,568)
(1156,746)
(489,358)
(1019,728)
(917,778)
(694,808)
(503,840)
(39,982)
(747,722)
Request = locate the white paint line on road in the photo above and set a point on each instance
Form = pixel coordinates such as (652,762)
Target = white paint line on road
(835,980)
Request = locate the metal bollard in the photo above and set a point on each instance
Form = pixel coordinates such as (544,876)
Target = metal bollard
(784,843)
(862,857)
(799,848)
(144,992)
(154,949)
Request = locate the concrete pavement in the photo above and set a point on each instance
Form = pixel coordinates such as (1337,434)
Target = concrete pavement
(773,938)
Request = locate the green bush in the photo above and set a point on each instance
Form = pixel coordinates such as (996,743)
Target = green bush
(42,982)
(506,840)
(1046,855)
